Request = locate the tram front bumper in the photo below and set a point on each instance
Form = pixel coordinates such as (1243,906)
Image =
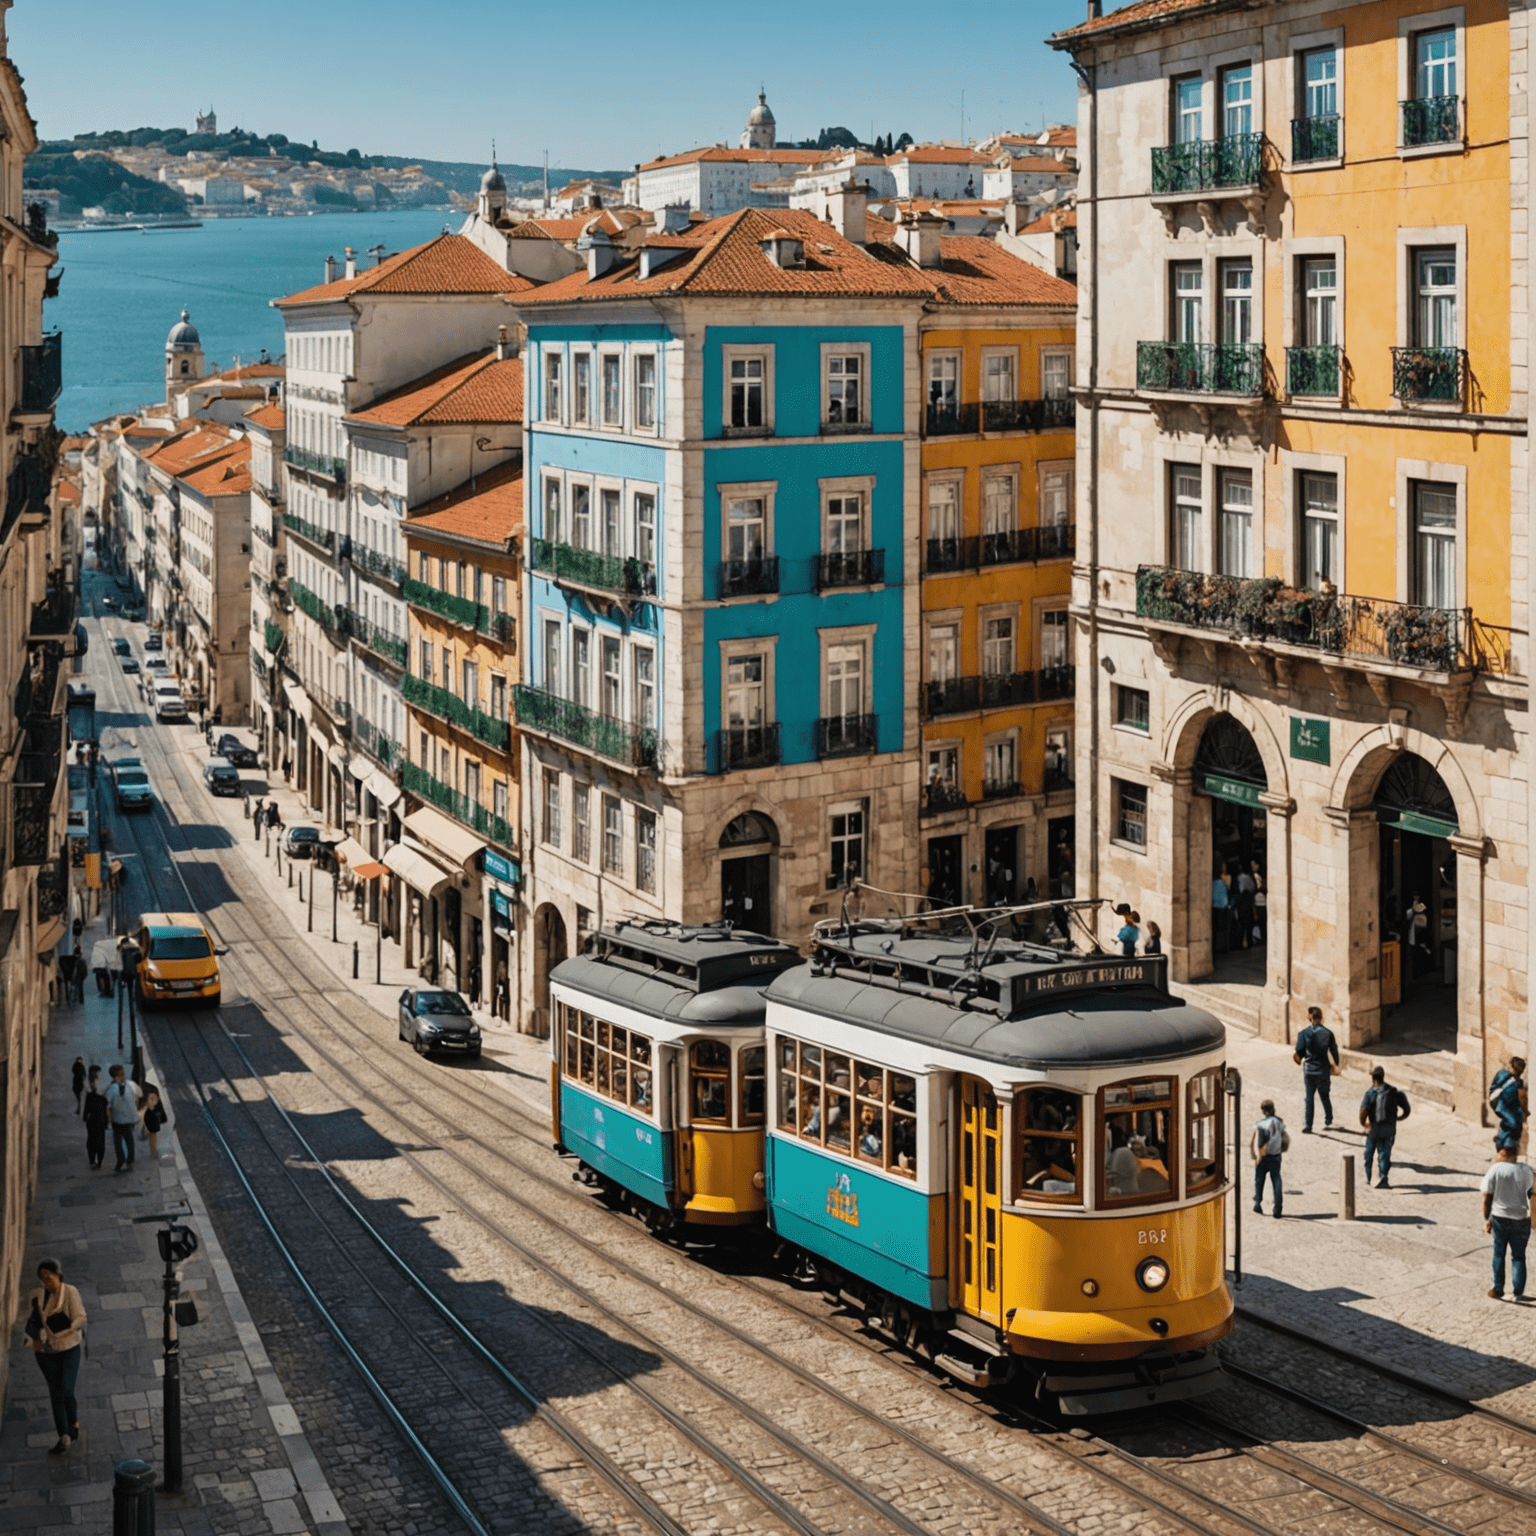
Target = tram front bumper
(1152,1379)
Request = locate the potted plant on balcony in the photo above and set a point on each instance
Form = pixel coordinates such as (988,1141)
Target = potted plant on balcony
(1252,607)
(1419,637)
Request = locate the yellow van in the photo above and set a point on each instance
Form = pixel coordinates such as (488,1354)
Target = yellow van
(177,960)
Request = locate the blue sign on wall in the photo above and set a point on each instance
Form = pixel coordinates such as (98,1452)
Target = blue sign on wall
(499,868)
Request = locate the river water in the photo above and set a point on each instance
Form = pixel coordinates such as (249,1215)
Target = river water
(123,291)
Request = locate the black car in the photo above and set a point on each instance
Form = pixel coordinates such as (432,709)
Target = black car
(121,647)
(222,778)
(130,665)
(235,751)
(153,641)
(301,842)
(433,1020)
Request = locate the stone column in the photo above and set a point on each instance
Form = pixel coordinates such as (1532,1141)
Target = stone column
(1188,929)
(1356,951)
(1472,1066)
(1275,1005)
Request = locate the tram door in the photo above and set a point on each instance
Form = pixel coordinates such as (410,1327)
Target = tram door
(981,1133)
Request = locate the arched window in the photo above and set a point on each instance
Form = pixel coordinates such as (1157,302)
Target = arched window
(747,829)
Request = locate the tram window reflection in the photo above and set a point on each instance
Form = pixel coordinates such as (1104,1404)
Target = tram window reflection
(753,1086)
(711,1081)
(1136,1134)
(853,1108)
(1202,1169)
(1049,1140)
(608,1059)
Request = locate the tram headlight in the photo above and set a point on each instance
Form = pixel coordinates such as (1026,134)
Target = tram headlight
(1090,1287)
(1152,1274)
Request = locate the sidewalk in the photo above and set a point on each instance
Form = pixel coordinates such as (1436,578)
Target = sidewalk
(248,1466)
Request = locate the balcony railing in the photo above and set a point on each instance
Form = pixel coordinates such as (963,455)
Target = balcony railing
(997,690)
(53,889)
(850,568)
(375,742)
(591,569)
(1200,368)
(450,707)
(951,420)
(42,375)
(1028,415)
(637,746)
(1313,370)
(446,605)
(1057,780)
(392,647)
(1000,789)
(32,796)
(1429,373)
(274,637)
(379,565)
(745,578)
(1054,541)
(1315,138)
(55,615)
(1334,624)
(1234,161)
(748,746)
(306,602)
(324,537)
(1431,120)
(846,735)
(420,783)
(26,490)
(316,463)
(940,796)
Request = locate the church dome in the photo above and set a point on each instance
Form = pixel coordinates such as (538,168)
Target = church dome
(493,180)
(760,116)
(184,334)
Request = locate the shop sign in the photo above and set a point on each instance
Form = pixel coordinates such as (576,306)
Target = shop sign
(1411,821)
(500,905)
(1309,740)
(1236,790)
(500,868)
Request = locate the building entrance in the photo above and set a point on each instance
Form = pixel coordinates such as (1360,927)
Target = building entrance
(1002,866)
(746,873)
(946,879)
(1230,778)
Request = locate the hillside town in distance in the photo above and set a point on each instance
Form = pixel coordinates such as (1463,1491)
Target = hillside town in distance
(761,864)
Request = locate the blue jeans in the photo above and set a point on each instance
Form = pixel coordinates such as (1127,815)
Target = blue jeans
(61,1370)
(122,1144)
(1380,1143)
(1320,1086)
(1268,1168)
(1512,1235)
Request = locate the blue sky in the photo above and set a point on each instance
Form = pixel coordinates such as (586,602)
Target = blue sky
(600,84)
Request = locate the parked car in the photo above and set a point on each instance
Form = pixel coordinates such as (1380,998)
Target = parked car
(132,611)
(433,1020)
(121,647)
(130,785)
(233,750)
(130,665)
(222,778)
(154,641)
(157,664)
(169,704)
(109,602)
(302,842)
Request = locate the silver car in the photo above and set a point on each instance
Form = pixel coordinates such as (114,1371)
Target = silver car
(433,1020)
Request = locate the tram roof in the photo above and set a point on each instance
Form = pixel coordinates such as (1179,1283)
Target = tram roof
(663,996)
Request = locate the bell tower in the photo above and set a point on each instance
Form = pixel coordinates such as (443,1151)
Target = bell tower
(183,357)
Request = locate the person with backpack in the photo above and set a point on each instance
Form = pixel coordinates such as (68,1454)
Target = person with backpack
(1270,1142)
(1509,1195)
(1317,1054)
(1380,1110)
(1508,1101)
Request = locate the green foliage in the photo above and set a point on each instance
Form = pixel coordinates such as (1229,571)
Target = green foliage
(99,182)
(334,197)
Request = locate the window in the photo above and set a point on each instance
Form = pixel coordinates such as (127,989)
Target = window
(1320,83)
(1435,312)
(645,686)
(845,525)
(1056,494)
(424,661)
(1188,115)
(997,376)
(848,1106)
(1136,1132)
(1320,530)
(551,655)
(612,1061)
(470,677)
(1188,302)
(472,782)
(645,850)
(709,1082)
(581,388)
(754,1085)
(1000,763)
(608,502)
(1049,1145)
(1319,279)
(1234,556)
(944,767)
(748,379)
(1055,375)
(498,594)
(613,836)
(613,390)
(581,667)
(1237,101)
(581,822)
(1130,813)
(645,392)
(551,808)
(1055,650)
(744,691)
(1188,531)
(613,695)
(1237,302)
(447,653)
(645,531)
(1434,540)
(944,382)
(552,383)
(1434,64)
(423,567)
(943,652)
(845,388)
(944,513)
(847,830)
(998,647)
(581,516)
(551,513)
(1058,758)
(1202,1164)
(499,799)
(999,506)
(746,531)
(1133,708)
(845,681)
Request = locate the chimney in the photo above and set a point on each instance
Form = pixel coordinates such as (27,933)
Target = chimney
(1015,217)
(506,344)
(846,207)
(674,219)
(351,269)
(330,269)
(599,250)
(918,235)
(1095,9)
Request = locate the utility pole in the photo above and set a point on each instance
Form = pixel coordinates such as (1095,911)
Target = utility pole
(177,1244)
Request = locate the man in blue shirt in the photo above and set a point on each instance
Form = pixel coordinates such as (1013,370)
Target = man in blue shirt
(1380,1110)
(1317,1054)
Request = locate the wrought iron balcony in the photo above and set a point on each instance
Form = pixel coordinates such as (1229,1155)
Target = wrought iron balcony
(953,696)
(945,420)
(323,537)
(374,742)
(381,641)
(1200,368)
(1429,373)
(1333,624)
(1209,164)
(55,615)
(1431,120)
(1313,370)
(450,707)
(344,547)
(745,578)
(1315,138)
(1000,789)
(1057,780)
(321,464)
(53,890)
(636,746)
(501,627)
(420,783)
(850,568)
(273,635)
(379,565)
(1055,683)
(1028,415)
(42,376)
(846,735)
(748,746)
(26,490)
(446,605)
(997,690)
(32,797)
(942,795)
(306,602)
(1054,541)
(593,570)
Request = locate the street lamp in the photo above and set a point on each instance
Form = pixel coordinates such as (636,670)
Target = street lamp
(177,1244)
(336,869)
(131,957)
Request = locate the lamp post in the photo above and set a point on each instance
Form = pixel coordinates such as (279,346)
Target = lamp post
(336,869)
(131,958)
(177,1244)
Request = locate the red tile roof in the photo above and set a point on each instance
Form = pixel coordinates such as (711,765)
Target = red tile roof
(272,417)
(481,388)
(489,511)
(229,475)
(193,445)
(1048,222)
(448,264)
(978,271)
(1143,13)
(937,154)
(719,153)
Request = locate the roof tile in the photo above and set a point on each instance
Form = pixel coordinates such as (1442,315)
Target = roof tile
(448,264)
(481,388)
(489,510)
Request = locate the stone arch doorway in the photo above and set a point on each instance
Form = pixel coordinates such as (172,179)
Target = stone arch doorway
(1229,852)
(549,949)
(746,871)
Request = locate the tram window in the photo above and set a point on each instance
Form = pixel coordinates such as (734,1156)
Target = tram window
(571,1023)
(610,1060)
(1136,1133)
(619,1069)
(753,1086)
(1202,1169)
(838,1107)
(640,1072)
(789,1086)
(711,1081)
(869,1113)
(901,1145)
(1049,1143)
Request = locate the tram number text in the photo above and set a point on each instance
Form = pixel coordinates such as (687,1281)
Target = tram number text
(1152,1235)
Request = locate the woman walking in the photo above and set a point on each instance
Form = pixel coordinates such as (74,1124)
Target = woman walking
(155,1118)
(55,1326)
(1507,1099)
(96,1115)
(77,1080)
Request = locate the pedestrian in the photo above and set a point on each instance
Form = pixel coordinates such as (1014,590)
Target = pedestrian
(55,1326)
(1380,1110)
(1317,1054)
(123,1106)
(1508,1100)
(79,970)
(258,821)
(1221,914)
(1154,944)
(1270,1142)
(97,1116)
(1260,904)
(77,1081)
(1130,933)
(1247,889)
(155,1118)
(1509,1187)
(501,990)
(274,820)
(1418,930)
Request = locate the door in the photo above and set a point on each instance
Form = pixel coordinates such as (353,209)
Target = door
(1002,865)
(981,1132)
(744,893)
(945,858)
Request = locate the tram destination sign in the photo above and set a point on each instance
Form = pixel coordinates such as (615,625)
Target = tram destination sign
(1110,971)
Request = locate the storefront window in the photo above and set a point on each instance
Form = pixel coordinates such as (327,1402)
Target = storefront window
(1048,1137)
(1136,1134)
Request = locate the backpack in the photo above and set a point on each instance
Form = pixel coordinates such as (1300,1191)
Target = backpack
(1384,1106)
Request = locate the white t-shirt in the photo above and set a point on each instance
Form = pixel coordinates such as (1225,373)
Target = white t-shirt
(1510,1186)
